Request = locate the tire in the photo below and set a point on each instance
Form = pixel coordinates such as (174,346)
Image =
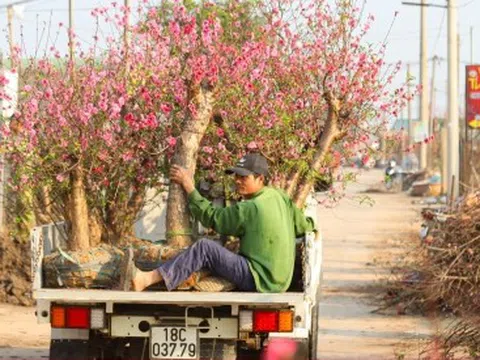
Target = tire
(216,349)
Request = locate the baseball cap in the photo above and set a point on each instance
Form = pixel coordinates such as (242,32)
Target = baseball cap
(250,164)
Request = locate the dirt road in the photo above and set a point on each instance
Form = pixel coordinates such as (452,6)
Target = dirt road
(355,236)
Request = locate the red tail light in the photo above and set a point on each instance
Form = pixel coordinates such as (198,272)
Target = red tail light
(78,317)
(265,321)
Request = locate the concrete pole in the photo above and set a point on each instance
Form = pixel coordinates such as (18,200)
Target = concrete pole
(11,43)
(411,129)
(424,82)
(471,45)
(444,141)
(411,135)
(127,24)
(432,95)
(71,40)
(453,123)
(431,119)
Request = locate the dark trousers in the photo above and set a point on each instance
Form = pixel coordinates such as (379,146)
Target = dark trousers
(207,254)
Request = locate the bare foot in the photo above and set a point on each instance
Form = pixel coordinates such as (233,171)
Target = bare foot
(144,279)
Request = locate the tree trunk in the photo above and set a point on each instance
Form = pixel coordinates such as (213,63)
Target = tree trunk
(178,218)
(43,207)
(135,205)
(95,229)
(292,182)
(280,182)
(78,210)
(329,134)
(306,185)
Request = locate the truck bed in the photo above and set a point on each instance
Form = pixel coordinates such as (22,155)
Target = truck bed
(163,297)
(109,298)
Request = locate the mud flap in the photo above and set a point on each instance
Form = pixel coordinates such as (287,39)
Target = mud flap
(68,350)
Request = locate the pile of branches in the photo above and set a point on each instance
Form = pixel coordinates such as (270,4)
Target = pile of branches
(453,255)
(444,274)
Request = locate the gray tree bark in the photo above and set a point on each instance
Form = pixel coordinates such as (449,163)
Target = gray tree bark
(179,229)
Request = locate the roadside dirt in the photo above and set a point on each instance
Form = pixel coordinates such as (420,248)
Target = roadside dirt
(355,238)
(15,271)
(20,335)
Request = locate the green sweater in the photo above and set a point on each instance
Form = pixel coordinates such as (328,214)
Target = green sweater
(267,225)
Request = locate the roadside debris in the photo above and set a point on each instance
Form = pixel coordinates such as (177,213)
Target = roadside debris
(443,275)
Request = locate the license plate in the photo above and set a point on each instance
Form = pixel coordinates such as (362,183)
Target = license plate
(173,343)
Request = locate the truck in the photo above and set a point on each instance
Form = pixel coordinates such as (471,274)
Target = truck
(108,324)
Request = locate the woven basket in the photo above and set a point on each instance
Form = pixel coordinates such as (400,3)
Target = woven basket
(93,268)
(214,284)
(98,267)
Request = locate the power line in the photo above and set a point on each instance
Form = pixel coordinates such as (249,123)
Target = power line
(466,4)
(436,5)
(439,32)
(423,4)
(15,3)
(55,10)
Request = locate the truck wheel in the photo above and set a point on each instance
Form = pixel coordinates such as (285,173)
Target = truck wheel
(218,349)
(68,349)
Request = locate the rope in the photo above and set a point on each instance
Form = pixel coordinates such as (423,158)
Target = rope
(182,232)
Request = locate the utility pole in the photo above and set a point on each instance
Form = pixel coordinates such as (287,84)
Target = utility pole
(11,44)
(431,119)
(444,140)
(432,94)
(424,82)
(471,45)
(127,24)
(453,123)
(423,113)
(411,134)
(71,39)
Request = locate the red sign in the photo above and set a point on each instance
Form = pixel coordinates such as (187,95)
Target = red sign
(472,107)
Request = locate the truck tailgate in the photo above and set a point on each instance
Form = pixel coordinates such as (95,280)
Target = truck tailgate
(161,297)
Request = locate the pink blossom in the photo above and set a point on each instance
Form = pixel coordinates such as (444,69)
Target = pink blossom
(220,132)
(207,150)
(127,156)
(252,145)
(171,141)
(115,111)
(108,138)
(365,159)
(98,170)
(151,121)
(166,108)
(130,119)
(3,80)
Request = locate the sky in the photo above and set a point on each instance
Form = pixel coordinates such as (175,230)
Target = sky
(403,40)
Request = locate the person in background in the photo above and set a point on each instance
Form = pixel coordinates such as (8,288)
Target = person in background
(285,349)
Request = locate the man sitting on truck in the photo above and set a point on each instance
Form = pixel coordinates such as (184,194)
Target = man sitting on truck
(267,223)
